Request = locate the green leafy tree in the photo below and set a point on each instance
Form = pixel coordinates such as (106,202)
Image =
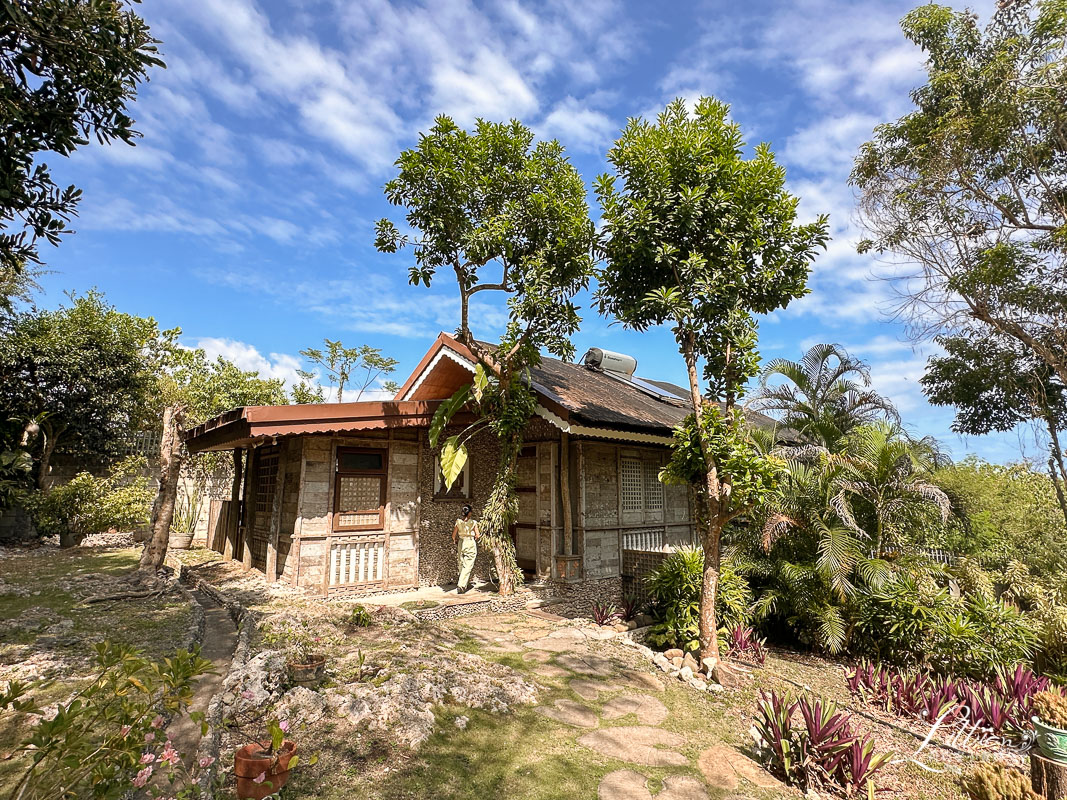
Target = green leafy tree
(491,201)
(361,365)
(68,71)
(701,238)
(82,377)
(823,396)
(968,187)
(192,389)
(996,384)
(888,478)
(1010,511)
(88,504)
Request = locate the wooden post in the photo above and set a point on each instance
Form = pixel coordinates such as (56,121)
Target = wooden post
(248,518)
(565,492)
(271,567)
(1049,778)
(235,507)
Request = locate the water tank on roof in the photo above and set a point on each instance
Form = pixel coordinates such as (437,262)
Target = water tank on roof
(606,360)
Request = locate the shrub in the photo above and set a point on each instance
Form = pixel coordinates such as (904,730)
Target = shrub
(822,755)
(89,505)
(93,745)
(1051,708)
(674,598)
(631,603)
(1002,705)
(359,617)
(998,782)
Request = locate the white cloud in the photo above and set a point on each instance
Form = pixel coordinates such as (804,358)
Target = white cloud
(579,127)
(247,357)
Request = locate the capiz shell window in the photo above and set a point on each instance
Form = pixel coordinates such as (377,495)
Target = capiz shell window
(359,489)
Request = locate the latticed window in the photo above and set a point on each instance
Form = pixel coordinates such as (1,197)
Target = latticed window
(359,491)
(653,488)
(266,481)
(632,485)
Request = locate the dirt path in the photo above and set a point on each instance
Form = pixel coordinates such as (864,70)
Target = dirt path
(220,640)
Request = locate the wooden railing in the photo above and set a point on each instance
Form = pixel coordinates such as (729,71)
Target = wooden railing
(357,561)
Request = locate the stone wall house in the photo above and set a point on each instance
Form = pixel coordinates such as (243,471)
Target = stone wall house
(342,498)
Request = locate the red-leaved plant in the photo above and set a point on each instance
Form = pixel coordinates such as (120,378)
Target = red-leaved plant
(824,754)
(743,644)
(1001,706)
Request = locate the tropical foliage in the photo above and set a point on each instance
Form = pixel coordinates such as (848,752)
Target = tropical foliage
(823,396)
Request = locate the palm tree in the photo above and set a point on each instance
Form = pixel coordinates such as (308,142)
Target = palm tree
(824,395)
(887,472)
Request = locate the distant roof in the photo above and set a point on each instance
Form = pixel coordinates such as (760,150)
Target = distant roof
(573,397)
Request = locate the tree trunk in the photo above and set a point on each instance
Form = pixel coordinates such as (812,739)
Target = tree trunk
(1056,467)
(1048,778)
(170,465)
(711,536)
(50,434)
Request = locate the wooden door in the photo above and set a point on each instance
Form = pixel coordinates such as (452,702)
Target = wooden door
(524,531)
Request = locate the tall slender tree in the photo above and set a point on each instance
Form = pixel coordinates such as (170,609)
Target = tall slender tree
(506,216)
(701,238)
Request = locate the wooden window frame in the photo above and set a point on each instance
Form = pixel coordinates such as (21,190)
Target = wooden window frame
(439,483)
(339,473)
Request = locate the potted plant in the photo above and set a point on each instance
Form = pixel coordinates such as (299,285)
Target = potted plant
(1050,723)
(262,767)
(303,652)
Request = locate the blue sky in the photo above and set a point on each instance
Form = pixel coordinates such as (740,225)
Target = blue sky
(245,215)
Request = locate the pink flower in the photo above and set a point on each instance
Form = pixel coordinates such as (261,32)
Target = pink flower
(284,725)
(170,755)
(142,777)
(206,762)
(247,694)
(147,758)
(158,721)
(260,778)
(149,737)
(125,729)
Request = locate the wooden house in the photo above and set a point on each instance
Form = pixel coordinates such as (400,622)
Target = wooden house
(348,497)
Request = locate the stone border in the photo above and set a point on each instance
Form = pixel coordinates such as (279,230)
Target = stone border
(246,621)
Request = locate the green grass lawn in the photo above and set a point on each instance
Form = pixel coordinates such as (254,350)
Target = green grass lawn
(52,578)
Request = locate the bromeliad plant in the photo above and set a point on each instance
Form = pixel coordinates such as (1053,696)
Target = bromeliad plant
(605,613)
(743,644)
(1001,706)
(821,754)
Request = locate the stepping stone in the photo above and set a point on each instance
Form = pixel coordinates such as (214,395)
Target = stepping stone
(722,766)
(649,710)
(638,745)
(715,764)
(551,671)
(587,689)
(567,633)
(586,664)
(537,655)
(553,645)
(641,680)
(625,784)
(504,646)
(570,713)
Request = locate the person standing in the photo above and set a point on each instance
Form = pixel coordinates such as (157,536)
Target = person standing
(465,535)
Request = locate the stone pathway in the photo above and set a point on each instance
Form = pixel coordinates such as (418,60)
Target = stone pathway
(576,658)
(220,640)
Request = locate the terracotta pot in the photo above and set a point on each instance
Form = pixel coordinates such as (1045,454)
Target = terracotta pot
(249,763)
(180,541)
(307,674)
